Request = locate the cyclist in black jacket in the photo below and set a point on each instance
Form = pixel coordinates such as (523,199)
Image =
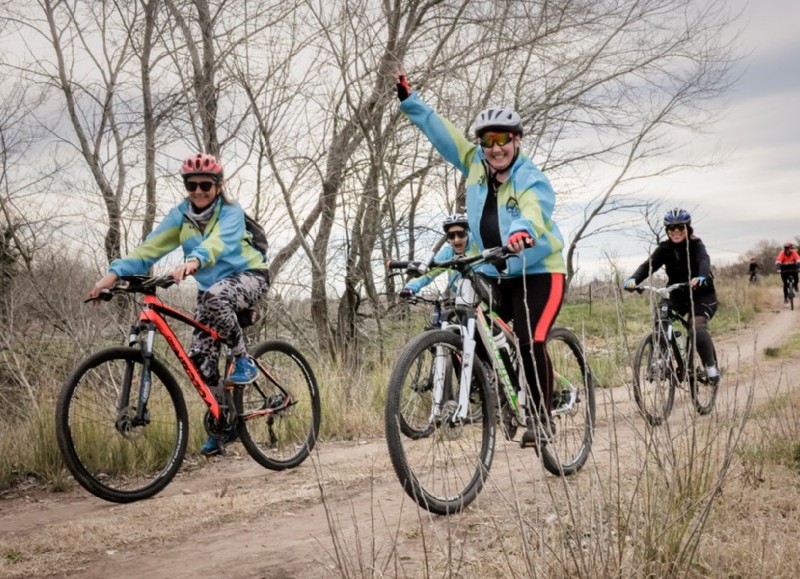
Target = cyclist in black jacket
(685,259)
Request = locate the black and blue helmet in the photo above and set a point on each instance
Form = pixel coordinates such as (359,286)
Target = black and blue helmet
(677,216)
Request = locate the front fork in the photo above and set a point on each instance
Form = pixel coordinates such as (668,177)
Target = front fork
(442,365)
(140,416)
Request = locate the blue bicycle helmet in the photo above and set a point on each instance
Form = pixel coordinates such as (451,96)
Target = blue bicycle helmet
(677,216)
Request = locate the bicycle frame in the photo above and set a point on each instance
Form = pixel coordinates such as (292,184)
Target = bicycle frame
(474,325)
(153,319)
(663,323)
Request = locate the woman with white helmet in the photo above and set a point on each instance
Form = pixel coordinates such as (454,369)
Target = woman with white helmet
(456,229)
(510,203)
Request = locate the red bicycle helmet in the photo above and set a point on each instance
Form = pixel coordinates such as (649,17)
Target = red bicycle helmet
(202,164)
(788,245)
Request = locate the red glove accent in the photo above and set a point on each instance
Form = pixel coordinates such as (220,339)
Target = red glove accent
(522,236)
(403,90)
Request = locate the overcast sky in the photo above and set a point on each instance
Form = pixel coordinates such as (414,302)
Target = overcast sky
(755,195)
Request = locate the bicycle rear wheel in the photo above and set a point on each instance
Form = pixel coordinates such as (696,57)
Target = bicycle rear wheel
(444,470)
(279,413)
(106,450)
(573,411)
(654,379)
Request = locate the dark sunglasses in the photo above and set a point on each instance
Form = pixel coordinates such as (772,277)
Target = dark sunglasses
(456,234)
(491,139)
(205,186)
(680,227)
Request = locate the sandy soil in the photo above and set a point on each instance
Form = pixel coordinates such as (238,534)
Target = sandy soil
(341,512)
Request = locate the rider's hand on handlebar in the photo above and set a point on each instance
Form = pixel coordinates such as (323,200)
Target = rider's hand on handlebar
(629,284)
(106,282)
(185,269)
(519,241)
(406,293)
(698,281)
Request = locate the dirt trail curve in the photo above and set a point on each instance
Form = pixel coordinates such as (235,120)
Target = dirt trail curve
(233,518)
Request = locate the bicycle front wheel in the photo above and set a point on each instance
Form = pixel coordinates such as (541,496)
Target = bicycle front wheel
(279,413)
(444,470)
(113,453)
(702,390)
(654,379)
(573,411)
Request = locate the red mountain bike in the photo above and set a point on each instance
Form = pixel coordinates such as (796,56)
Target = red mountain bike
(121,418)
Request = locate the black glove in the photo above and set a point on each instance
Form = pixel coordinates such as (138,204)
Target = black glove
(405,293)
(403,90)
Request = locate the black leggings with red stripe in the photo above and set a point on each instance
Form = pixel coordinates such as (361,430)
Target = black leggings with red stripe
(533,302)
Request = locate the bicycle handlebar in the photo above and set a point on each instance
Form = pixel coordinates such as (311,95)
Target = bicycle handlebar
(459,263)
(660,290)
(134,284)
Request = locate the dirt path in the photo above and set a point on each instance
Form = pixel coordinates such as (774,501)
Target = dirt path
(231,517)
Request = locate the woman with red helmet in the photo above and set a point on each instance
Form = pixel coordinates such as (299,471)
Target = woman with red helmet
(231,274)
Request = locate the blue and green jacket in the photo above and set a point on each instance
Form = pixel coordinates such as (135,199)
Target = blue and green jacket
(525,200)
(446,253)
(223,249)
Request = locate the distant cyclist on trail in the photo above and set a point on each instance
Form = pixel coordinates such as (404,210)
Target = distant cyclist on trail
(231,273)
(456,228)
(787,264)
(685,259)
(510,203)
(753,268)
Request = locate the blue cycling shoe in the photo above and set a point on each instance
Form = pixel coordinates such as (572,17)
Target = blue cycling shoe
(244,371)
(212,446)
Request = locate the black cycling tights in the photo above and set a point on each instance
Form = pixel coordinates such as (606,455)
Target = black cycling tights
(533,302)
(702,339)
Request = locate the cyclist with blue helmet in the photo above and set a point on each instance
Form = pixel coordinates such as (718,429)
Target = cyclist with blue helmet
(456,229)
(685,259)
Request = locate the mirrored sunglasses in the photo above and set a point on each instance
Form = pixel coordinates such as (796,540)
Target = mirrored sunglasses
(205,186)
(451,235)
(680,227)
(489,140)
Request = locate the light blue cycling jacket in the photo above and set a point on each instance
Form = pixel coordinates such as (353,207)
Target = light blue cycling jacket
(223,249)
(525,201)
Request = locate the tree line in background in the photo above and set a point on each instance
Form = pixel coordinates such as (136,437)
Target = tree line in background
(102,99)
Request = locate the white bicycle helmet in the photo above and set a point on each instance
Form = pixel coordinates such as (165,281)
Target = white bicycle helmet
(455,219)
(498,119)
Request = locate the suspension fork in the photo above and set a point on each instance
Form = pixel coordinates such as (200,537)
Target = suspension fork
(145,380)
(466,370)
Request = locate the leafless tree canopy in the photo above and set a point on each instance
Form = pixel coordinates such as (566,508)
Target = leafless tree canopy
(296,98)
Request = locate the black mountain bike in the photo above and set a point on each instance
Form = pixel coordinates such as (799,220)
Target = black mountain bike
(663,362)
(788,291)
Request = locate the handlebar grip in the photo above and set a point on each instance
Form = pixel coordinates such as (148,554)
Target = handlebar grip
(396,264)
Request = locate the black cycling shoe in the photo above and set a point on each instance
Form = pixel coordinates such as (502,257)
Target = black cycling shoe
(538,433)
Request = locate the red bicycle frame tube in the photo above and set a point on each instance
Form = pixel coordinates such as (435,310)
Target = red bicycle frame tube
(154,312)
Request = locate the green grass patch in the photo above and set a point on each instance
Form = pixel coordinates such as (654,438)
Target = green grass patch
(789,349)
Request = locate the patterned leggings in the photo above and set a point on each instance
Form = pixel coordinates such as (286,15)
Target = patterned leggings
(216,308)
